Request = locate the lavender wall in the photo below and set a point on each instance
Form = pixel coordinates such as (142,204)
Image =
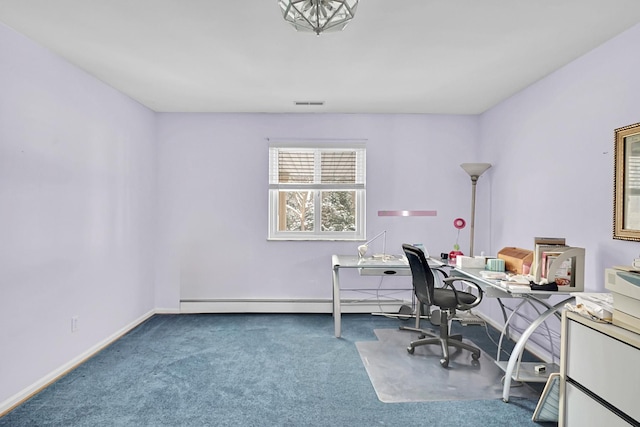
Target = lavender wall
(80,223)
(552,150)
(77,185)
(213,183)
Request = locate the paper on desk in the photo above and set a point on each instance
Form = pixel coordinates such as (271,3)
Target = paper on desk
(598,305)
(383,258)
(517,282)
(516,286)
(518,279)
(494,275)
(627,268)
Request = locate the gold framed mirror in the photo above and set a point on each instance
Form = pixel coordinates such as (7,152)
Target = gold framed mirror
(626,187)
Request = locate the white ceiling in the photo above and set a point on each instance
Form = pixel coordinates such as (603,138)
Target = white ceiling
(397,56)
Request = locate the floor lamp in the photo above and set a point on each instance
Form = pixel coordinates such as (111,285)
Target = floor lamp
(474,170)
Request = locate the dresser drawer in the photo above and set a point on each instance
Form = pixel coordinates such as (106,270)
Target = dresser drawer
(604,365)
(597,415)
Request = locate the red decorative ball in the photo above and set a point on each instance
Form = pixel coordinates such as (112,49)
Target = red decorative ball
(459,223)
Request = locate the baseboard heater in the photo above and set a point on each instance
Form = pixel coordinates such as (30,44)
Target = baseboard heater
(286,306)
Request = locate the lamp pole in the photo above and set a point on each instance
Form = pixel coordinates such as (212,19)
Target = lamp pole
(474,180)
(474,170)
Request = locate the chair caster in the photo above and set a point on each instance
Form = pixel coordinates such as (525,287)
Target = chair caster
(444,363)
(410,350)
(475,356)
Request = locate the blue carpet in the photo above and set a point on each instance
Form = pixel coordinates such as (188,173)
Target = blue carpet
(246,370)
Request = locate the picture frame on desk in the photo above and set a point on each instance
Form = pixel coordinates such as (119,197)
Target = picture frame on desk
(539,260)
(567,269)
(563,276)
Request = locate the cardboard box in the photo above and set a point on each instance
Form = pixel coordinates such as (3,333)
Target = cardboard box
(516,260)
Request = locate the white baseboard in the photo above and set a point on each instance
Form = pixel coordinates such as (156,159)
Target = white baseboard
(167,311)
(286,306)
(53,376)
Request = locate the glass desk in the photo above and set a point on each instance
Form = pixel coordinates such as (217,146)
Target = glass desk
(514,368)
(389,265)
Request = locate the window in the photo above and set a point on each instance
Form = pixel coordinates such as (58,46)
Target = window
(317,191)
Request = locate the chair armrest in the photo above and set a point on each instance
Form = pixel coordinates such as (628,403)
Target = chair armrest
(449,284)
(441,271)
(444,274)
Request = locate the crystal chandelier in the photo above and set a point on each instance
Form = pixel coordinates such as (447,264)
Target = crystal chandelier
(318,15)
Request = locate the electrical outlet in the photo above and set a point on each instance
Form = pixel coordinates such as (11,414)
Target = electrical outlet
(74,323)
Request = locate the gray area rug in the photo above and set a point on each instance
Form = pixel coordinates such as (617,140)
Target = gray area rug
(398,376)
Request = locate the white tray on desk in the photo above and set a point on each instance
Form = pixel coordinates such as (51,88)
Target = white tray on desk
(384,265)
(526,371)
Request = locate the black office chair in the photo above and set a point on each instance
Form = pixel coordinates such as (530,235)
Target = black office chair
(423,311)
(448,299)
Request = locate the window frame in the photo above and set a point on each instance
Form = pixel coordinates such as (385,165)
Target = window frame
(359,187)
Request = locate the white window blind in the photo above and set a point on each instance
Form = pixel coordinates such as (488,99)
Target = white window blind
(317,191)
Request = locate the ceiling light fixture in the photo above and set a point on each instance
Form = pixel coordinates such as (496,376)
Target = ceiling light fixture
(318,16)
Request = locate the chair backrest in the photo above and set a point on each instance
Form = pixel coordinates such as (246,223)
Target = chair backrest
(423,279)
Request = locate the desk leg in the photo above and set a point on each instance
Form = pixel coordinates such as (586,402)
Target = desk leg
(519,347)
(504,317)
(336,301)
(505,329)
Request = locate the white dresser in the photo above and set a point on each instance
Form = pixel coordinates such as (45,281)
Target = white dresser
(600,371)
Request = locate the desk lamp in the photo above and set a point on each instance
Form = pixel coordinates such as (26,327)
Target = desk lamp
(474,170)
(362,249)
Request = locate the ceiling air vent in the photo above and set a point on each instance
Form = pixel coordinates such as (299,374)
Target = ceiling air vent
(309,103)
